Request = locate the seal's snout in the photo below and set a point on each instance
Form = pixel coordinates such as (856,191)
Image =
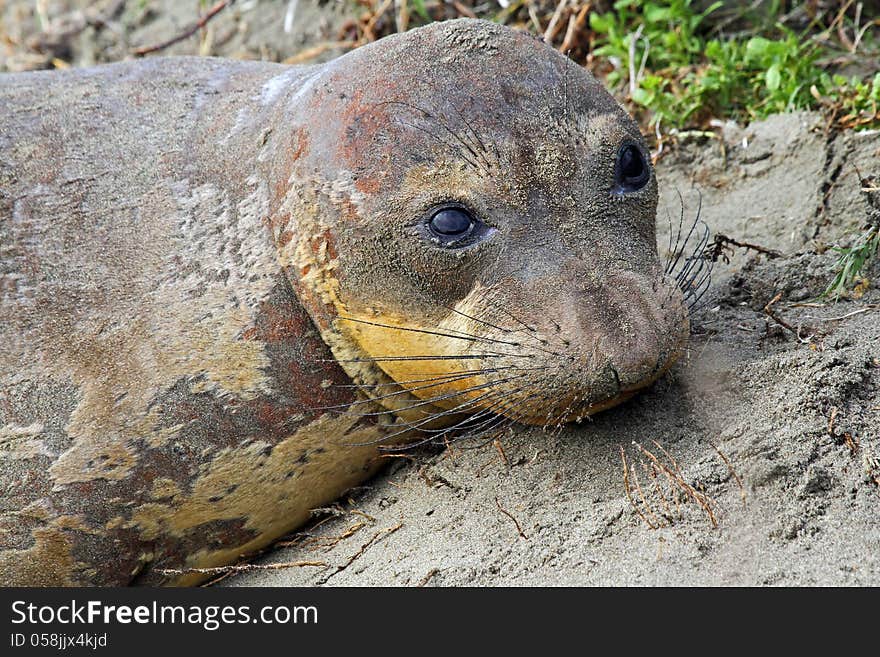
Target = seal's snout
(632,326)
(605,339)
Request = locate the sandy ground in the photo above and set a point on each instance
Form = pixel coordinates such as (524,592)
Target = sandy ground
(756,461)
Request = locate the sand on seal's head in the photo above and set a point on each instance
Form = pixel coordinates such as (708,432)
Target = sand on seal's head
(559,307)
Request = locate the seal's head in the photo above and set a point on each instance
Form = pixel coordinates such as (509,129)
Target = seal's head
(473,220)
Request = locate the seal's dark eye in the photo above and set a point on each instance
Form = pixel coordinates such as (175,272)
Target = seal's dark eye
(632,172)
(451,222)
(452,225)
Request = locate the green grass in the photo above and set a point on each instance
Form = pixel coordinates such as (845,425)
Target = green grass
(685,77)
(852,261)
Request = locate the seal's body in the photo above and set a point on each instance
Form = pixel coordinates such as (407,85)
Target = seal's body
(223,283)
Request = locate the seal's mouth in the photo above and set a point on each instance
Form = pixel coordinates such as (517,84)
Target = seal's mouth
(579,407)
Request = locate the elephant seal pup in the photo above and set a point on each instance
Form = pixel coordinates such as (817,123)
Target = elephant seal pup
(209,269)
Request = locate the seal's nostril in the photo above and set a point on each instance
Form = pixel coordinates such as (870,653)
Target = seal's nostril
(616,377)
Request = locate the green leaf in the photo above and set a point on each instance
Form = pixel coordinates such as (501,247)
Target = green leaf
(642,97)
(773,77)
(419,6)
(713,49)
(652,82)
(601,23)
(714,6)
(757,47)
(655,14)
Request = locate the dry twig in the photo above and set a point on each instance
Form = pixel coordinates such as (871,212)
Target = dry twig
(377,536)
(629,496)
(509,515)
(722,243)
(238,568)
(676,480)
(784,324)
(742,490)
(188,32)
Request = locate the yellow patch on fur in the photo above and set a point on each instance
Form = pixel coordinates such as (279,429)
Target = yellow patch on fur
(450,364)
(48,559)
(277,491)
(434,374)
(18,442)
